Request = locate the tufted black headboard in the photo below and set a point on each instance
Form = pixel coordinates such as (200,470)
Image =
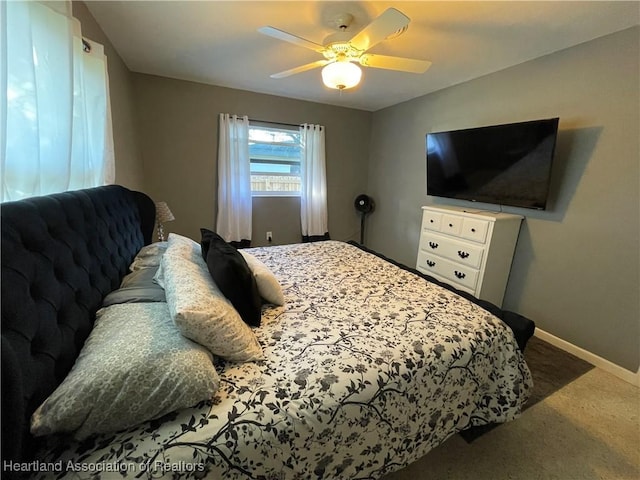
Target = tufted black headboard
(61,254)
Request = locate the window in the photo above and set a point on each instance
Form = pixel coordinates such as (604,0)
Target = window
(275,160)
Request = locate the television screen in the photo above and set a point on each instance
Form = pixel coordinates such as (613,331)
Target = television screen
(499,164)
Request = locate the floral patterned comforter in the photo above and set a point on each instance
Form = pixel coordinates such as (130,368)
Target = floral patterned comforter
(368,368)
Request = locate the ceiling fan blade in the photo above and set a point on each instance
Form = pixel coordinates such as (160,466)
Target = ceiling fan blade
(288,37)
(390,21)
(301,68)
(394,63)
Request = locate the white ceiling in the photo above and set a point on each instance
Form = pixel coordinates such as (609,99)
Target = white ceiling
(216,42)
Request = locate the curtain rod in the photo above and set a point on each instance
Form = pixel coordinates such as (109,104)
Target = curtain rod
(281,123)
(275,123)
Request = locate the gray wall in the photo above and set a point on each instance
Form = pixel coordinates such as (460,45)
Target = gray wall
(129,170)
(576,267)
(178,135)
(284,229)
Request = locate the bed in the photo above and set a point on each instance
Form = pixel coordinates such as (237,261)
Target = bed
(365,367)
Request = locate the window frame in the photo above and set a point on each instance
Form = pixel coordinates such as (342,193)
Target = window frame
(276,193)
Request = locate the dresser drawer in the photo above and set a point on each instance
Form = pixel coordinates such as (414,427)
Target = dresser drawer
(451,224)
(459,275)
(431,220)
(464,253)
(475,229)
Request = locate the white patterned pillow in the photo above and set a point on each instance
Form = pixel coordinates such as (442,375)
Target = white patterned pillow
(186,248)
(148,256)
(183,247)
(202,313)
(268,284)
(135,366)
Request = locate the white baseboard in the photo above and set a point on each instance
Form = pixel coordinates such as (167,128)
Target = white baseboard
(609,367)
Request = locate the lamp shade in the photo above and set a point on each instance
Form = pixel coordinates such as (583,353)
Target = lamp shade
(341,75)
(163,214)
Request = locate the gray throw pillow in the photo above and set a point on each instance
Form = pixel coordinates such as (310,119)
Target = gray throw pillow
(138,286)
(135,366)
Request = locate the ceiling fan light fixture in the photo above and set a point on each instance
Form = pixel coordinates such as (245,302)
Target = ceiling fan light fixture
(344,52)
(341,75)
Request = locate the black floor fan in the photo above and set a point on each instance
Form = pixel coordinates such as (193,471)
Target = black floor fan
(364,204)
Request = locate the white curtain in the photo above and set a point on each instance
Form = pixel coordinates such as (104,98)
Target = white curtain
(234,179)
(313,194)
(55,119)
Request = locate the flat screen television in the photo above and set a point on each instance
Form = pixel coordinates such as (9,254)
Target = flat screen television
(506,164)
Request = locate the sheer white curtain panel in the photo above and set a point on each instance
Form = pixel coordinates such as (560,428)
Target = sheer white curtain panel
(234,179)
(313,195)
(55,119)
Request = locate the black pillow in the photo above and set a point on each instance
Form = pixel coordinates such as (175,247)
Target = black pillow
(207,236)
(232,275)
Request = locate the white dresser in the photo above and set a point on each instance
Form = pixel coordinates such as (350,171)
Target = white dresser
(469,249)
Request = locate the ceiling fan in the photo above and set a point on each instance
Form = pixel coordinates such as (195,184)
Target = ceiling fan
(342,51)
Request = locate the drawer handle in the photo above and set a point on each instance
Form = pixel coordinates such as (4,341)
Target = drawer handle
(431,263)
(433,245)
(473,230)
(431,221)
(451,225)
(459,275)
(462,254)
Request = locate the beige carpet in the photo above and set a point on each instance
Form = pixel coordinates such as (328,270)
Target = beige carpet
(580,424)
